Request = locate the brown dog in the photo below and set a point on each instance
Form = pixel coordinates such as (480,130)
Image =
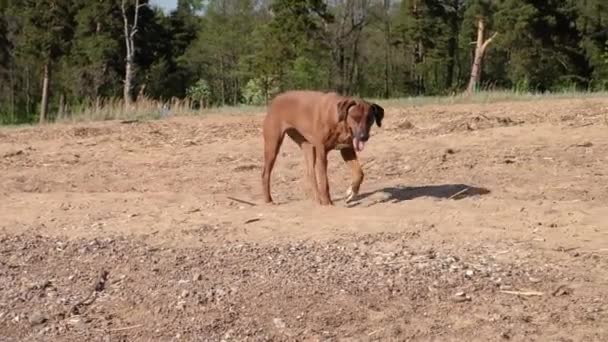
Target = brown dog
(319,122)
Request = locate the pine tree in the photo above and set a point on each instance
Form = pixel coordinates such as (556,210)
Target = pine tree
(46,33)
(96,41)
(591,22)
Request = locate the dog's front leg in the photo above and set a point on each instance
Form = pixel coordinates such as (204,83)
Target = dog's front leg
(350,158)
(321,172)
(309,156)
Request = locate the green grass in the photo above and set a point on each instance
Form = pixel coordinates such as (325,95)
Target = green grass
(483,97)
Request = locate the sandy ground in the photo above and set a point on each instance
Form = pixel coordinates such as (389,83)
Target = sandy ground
(483,222)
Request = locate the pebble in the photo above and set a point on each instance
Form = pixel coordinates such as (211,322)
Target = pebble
(279,323)
(460,297)
(36,318)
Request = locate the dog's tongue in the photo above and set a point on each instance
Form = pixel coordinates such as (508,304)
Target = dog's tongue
(358,144)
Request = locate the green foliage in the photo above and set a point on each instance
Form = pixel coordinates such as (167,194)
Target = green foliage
(199,91)
(227,52)
(254,92)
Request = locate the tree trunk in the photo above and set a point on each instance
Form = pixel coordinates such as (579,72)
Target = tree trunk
(453,44)
(97,104)
(28,96)
(480,48)
(387,49)
(61,111)
(418,57)
(12,85)
(128,79)
(44,104)
(129,32)
(223,81)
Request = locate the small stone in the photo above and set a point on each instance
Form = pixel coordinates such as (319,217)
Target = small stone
(185,293)
(562,290)
(197,277)
(460,297)
(74,320)
(36,318)
(534,280)
(181,305)
(469,273)
(279,323)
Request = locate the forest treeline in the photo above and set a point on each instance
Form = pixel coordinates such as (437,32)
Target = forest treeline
(58,55)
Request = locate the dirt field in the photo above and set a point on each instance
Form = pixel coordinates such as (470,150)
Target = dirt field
(475,223)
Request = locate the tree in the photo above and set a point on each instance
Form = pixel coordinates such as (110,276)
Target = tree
(46,34)
(130,30)
(66,54)
(480,48)
(93,58)
(591,23)
(295,32)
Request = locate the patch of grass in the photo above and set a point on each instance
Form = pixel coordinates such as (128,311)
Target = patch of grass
(146,109)
(487,97)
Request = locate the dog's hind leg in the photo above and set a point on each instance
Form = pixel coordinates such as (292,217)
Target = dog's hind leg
(273,138)
(350,158)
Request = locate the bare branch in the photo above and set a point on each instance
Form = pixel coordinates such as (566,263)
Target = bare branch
(136,15)
(487,42)
(123,8)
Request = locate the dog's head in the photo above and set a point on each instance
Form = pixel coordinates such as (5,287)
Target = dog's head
(360,115)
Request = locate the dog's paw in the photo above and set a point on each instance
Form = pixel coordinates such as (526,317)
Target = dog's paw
(350,194)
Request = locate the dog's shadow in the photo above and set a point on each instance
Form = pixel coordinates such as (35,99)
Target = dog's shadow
(396,194)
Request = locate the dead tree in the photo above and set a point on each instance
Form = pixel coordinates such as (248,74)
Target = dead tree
(130,31)
(44,103)
(480,48)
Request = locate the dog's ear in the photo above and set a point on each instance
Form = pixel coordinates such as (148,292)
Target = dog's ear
(378,114)
(343,107)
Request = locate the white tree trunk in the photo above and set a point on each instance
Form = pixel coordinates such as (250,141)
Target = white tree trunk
(128,81)
(480,48)
(129,32)
(44,104)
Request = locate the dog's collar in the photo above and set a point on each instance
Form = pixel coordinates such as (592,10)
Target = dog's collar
(341,146)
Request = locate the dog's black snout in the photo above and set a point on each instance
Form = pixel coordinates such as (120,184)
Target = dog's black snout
(363,136)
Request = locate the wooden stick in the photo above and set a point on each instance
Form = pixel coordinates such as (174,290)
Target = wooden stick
(459,193)
(127,328)
(523,293)
(242,201)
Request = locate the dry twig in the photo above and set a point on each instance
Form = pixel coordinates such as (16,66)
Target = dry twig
(242,201)
(459,193)
(523,293)
(127,328)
